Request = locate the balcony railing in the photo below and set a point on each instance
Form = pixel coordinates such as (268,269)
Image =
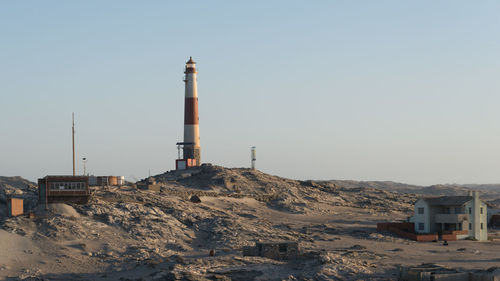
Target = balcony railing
(451,218)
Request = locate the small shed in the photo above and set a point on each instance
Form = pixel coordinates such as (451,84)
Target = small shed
(112,180)
(282,250)
(15,207)
(102,180)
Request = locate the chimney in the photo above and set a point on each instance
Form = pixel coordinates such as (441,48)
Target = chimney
(475,194)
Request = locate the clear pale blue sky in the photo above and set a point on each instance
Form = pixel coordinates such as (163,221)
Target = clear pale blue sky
(366,90)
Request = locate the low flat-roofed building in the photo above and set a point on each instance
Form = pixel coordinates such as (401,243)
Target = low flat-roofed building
(63,189)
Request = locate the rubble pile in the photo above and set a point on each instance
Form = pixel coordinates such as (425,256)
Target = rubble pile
(147,223)
(344,266)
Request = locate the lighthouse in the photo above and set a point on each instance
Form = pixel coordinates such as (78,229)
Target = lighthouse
(191,144)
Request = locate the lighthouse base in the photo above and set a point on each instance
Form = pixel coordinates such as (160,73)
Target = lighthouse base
(190,152)
(183,164)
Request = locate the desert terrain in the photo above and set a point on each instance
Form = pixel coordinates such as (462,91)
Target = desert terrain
(125,233)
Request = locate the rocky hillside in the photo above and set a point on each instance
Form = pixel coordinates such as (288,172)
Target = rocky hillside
(133,234)
(281,193)
(19,188)
(15,182)
(489,192)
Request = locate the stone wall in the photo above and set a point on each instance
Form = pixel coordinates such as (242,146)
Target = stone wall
(428,272)
(274,250)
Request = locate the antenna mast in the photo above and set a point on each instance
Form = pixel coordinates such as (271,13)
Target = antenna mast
(253,157)
(73,139)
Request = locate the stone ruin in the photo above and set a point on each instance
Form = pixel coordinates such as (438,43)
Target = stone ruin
(284,250)
(149,184)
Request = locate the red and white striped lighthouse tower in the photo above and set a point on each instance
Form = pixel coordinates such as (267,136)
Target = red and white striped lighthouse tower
(191,145)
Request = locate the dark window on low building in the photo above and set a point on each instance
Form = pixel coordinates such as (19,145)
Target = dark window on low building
(470,226)
(481,225)
(481,210)
(420,211)
(283,248)
(470,210)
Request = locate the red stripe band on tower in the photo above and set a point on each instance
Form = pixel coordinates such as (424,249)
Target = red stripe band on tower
(191,111)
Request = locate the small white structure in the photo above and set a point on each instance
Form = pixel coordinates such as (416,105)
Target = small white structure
(121,180)
(467,214)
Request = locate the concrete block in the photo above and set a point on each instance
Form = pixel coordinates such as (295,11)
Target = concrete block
(462,276)
(250,251)
(482,276)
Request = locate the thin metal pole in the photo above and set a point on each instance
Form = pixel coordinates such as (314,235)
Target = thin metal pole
(46,194)
(73,138)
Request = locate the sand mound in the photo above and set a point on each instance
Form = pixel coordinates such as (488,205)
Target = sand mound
(63,210)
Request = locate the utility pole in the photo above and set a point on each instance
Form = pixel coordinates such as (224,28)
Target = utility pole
(73,138)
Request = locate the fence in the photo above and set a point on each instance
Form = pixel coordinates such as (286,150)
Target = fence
(407,230)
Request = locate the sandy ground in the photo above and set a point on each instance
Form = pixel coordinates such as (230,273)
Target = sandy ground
(353,226)
(22,257)
(17,252)
(127,234)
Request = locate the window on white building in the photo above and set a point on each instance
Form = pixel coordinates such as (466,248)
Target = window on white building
(481,210)
(420,211)
(421,226)
(470,226)
(481,225)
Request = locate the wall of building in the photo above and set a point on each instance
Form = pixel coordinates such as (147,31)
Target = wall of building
(477,218)
(422,218)
(434,227)
(274,250)
(406,230)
